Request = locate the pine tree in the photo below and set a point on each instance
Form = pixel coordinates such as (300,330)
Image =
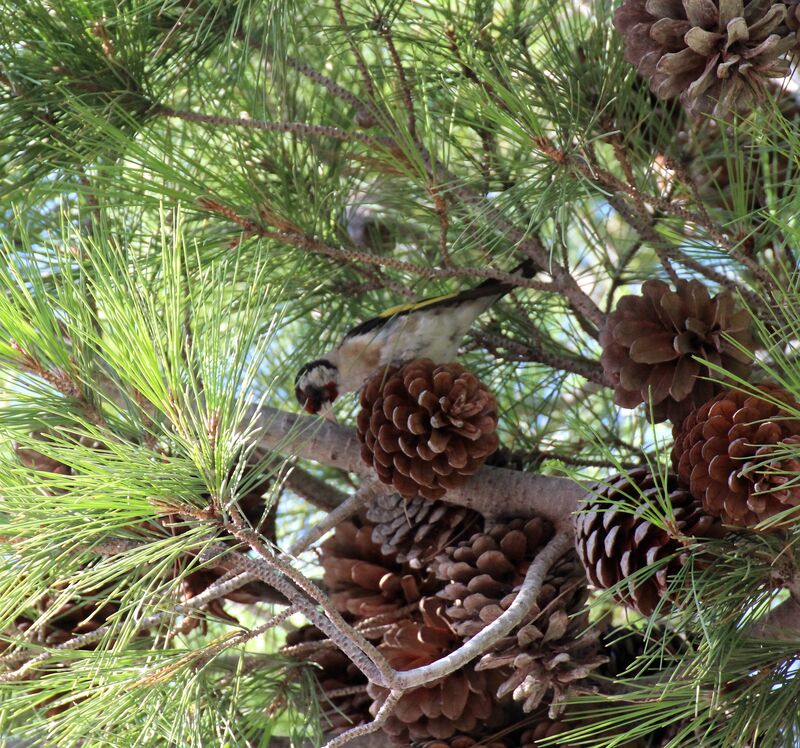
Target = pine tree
(199,196)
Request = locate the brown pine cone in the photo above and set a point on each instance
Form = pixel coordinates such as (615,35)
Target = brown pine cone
(545,653)
(546,728)
(426,427)
(740,454)
(716,57)
(549,659)
(484,574)
(459,702)
(35,460)
(334,672)
(462,741)
(361,580)
(623,647)
(649,340)
(415,530)
(614,540)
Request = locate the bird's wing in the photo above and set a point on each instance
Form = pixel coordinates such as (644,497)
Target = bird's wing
(490,287)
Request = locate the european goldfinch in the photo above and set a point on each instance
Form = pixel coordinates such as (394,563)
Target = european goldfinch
(431,328)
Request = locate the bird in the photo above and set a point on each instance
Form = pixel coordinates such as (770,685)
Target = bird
(429,328)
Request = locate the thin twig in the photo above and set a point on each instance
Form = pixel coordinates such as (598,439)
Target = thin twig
(298,128)
(213,592)
(312,244)
(238,527)
(408,101)
(342,512)
(380,718)
(366,78)
(586,368)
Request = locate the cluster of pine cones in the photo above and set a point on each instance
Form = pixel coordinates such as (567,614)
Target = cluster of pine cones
(420,577)
(736,451)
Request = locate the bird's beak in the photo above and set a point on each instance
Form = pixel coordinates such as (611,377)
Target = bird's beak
(326,411)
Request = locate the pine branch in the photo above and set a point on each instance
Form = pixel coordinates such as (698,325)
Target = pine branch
(296,128)
(344,511)
(525,494)
(314,490)
(590,370)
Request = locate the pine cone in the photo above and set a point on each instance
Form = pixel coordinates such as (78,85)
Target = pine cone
(415,530)
(484,574)
(614,542)
(623,647)
(426,427)
(740,455)
(459,702)
(545,653)
(545,728)
(34,460)
(649,341)
(462,741)
(362,581)
(549,660)
(716,57)
(334,672)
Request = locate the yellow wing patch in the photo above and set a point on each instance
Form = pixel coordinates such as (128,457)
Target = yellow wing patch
(414,305)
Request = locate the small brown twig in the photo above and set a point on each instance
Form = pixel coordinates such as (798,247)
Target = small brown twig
(213,592)
(444,224)
(297,128)
(237,526)
(713,229)
(380,719)
(619,271)
(586,368)
(366,78)
(352,256)
(385,31)
(342,512)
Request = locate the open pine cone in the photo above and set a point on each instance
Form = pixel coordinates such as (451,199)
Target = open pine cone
(545,728)
(616,542)
(740,455)
(415,530)
(716,56)
(426,427)
(545,653)
(462,741)
(649,342)
(361,580)
(459,702)
(484,574)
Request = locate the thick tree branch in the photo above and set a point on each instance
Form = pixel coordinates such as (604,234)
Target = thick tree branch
(314,490)
(781,623)
(517,493)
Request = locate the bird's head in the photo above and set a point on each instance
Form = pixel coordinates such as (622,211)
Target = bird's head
(316,386)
